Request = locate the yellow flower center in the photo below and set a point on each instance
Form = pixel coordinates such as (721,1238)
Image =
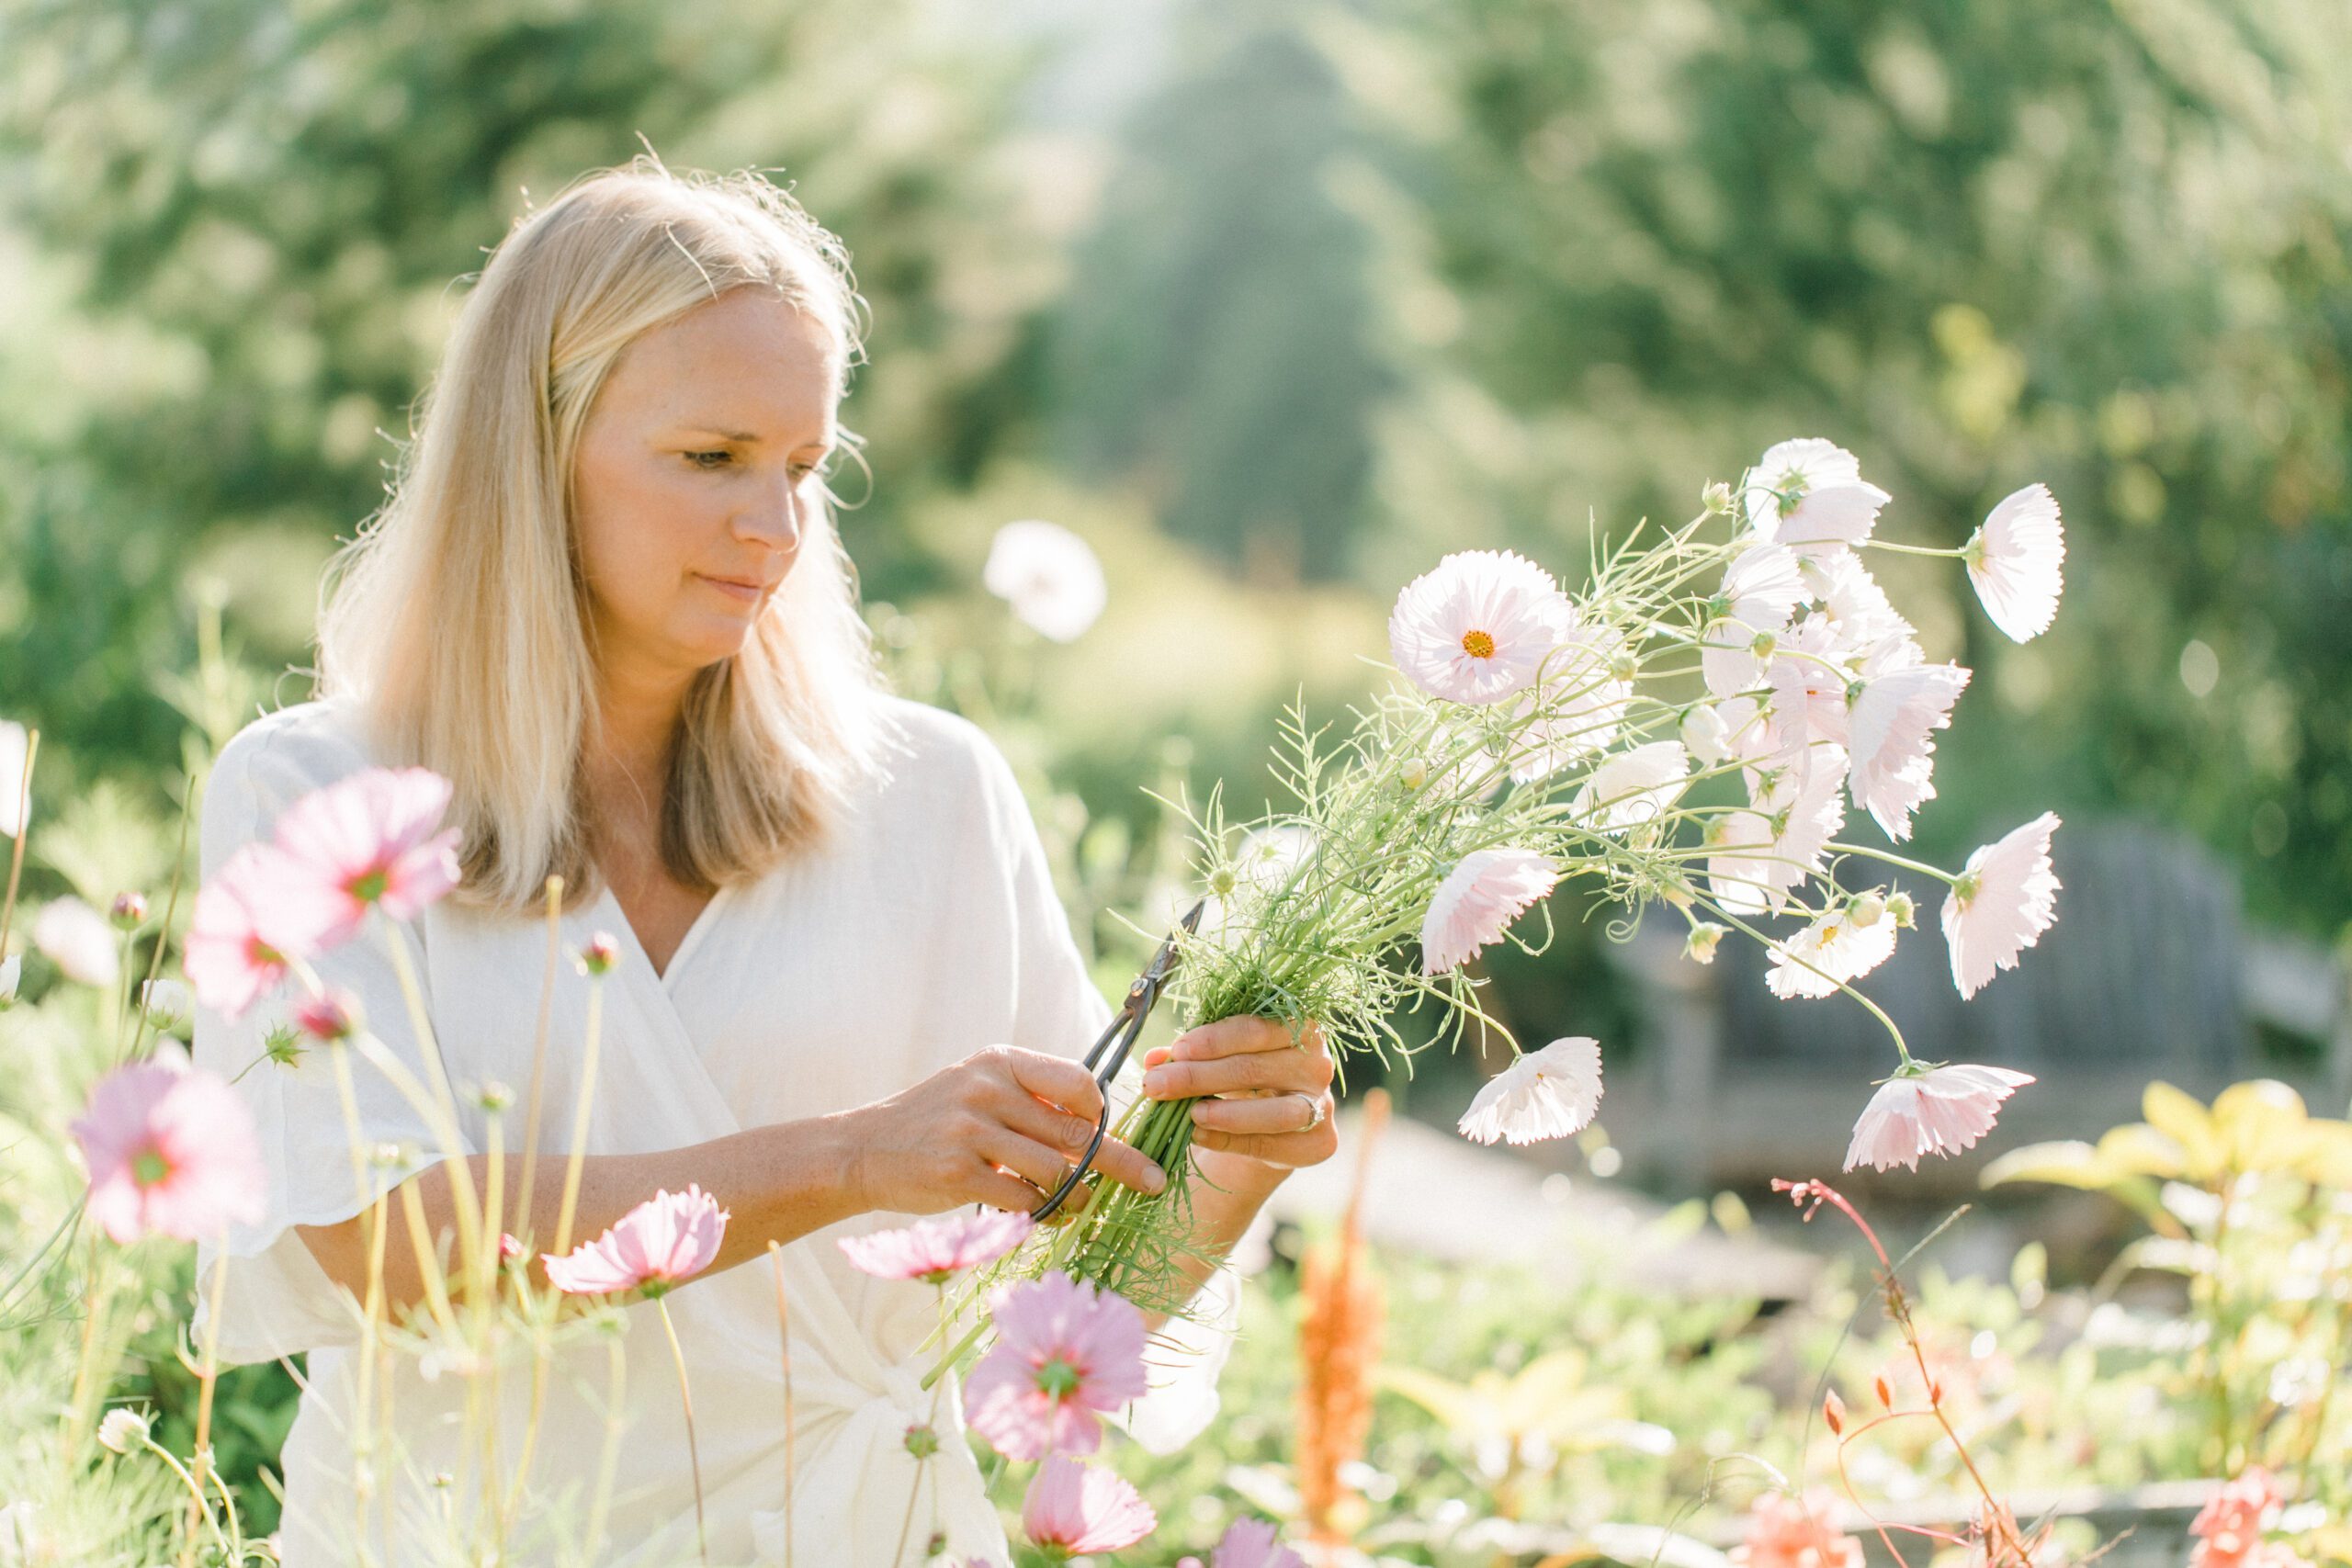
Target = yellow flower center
(1478,644)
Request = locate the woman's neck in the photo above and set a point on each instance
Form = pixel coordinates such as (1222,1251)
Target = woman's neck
(630,768)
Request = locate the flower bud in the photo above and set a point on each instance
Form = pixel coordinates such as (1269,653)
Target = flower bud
(1705,735)
(1676,893)
(1863,911)
(122,1430)
(329,1019)
(1414,774)
(1898,904)
(1716,498)
(129,911)
(597,958)
(922,1441)
(509,1249)
(284,1046)
(494,1097)
(1833,1410)
(1764,645)
(1222,882)
(1704,938)
(1885,1394)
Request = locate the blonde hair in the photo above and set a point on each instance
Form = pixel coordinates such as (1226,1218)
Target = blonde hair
(457,617)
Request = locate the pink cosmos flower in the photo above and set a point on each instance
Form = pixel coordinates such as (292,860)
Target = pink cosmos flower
(1783,1532)
(2005,898)
(1761,589)
(670,1237)
(258,910)
(1830,952)
(171,1149)
(1545,1094)
(2229,1527)
(1248,1543)
(1852,602)
(1477,900)
(1074,1509)
(1890,723)
(1940,1111)
(370,839)
(1633,787)
(1064,1350)
(1476,626)
(2016,561)
(931,1250)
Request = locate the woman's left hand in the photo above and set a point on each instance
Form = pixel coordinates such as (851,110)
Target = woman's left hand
(1267,1105)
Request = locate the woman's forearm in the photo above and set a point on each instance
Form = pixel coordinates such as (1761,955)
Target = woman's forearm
(777,1183)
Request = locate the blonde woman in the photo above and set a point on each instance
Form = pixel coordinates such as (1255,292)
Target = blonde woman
(607,599)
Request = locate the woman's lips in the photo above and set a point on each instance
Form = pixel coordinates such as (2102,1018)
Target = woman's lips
(742,592)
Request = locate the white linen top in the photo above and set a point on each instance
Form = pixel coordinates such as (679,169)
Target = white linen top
(927,927)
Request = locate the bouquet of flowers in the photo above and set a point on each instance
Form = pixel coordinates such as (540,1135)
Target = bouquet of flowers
(1536,739)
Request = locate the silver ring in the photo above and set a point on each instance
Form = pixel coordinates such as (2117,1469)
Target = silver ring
(1314,1112)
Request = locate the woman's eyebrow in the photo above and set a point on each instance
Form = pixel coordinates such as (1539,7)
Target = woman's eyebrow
(745,437)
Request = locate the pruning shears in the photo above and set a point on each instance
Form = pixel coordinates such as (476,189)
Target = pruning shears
(1109,1052)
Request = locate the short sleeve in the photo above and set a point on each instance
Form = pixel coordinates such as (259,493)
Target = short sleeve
(1058,1009)
(276,1300)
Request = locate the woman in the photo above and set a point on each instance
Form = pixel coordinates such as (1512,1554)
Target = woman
(606,600)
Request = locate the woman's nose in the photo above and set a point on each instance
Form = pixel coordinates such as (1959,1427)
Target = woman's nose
(774,520)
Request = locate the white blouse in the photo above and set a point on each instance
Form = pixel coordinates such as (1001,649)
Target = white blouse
(927,929)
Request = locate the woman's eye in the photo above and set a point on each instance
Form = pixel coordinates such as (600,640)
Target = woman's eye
(697,458)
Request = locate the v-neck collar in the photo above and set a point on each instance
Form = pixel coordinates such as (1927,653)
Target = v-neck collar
(686,945)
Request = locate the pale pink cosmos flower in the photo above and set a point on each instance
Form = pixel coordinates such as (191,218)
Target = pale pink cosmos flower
(171,1149)
(1756,856)
(2007,895)
(1890,724)
(1075,1510)
(2016,562)
(1633,787)
(1475,627)
(1833,949)
(1050,575)
(1478,900)
(1852,602)
(1811,492)
(672,1236)
(1248,1543)
(1064,1351)
(932,1250)
(370,840)
(1545,1094)
(1575,708)
(1761,590)
(259,910)
(1940,1110)
(77,939)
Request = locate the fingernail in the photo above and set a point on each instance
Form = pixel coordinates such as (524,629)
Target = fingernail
(1154,1179)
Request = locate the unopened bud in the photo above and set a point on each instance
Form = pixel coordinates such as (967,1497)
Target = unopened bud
(1833,1410)
(1414,774)
(284,1045)
(1704,938)
(1935,1391)
(509,1249)
(329,1019)
(1865,910)
(1623,665)
(600,953)
(129,911)
(1222,882)
(922,1441)
(1765,645)
(1676,893)
(494,1097)
(122,1430)
(1899,904)
(1716,498)
(1885,1394)
(1705,735)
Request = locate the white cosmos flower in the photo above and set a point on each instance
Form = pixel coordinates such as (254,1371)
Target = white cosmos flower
(1810,490)
(1830,952)
(1761,589)
(1890,724)
(1938,1111)
(13,741)
(2005,898)
(1268,856)
(1546,1094)
(1048,575)
(2016,561)
(11,971)
(1477,901)
(1475,627)
(77,939)
(1576,707)
(1756,856)
(1856,608)
(1633,787)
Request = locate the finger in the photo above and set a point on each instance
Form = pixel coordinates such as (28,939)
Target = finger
(1283,1071)
(1279,1113)
(1025,1157)
(1233,1036)
(1050,1125)
(999,1190)
(1292,1150)
(1128,1166)
(1056,1080)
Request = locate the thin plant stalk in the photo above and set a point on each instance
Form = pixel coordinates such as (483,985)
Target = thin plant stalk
(685,1396)
(784,1339)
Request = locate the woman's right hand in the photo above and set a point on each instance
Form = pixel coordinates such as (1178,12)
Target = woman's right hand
(951,1139)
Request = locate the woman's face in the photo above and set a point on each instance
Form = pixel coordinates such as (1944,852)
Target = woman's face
(697,469)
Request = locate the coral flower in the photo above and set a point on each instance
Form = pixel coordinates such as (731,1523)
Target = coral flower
(370,839)
(1783,1532)
(932,1250)
(672,1236)
(1477,628)
(1761,589)
(1890,724)
(1076,1510)
(2007,895)
(1940,1111)
(1049,576)
(1478,900)
(2229,1527)
(1633,787)
(1830,952)
(2016,562)
(1547,1094)
(1064,1351)
(77,939)
(259,910)
(171,1149)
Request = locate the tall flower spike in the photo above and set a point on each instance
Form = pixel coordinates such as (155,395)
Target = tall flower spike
(1475,627)
(2016,562)
(2007,895)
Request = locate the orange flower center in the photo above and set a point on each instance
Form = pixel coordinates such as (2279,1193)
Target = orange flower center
(1478,644)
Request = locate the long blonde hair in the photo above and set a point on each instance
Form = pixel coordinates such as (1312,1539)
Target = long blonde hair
(457,615)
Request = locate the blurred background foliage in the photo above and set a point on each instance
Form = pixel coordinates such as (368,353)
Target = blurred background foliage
(1274,303)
